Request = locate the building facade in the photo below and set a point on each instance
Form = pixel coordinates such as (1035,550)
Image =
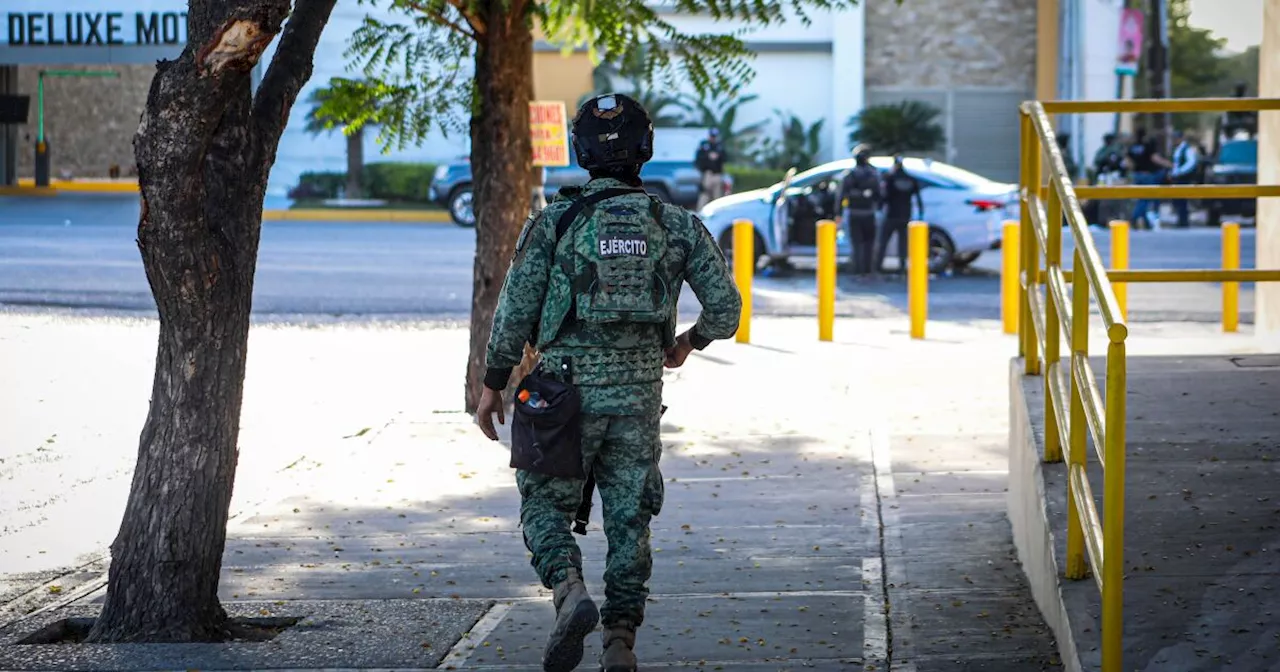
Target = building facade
(974,60)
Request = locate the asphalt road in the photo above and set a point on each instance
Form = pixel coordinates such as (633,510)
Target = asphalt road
(79,252)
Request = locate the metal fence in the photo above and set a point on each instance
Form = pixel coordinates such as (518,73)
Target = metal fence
(1055,306)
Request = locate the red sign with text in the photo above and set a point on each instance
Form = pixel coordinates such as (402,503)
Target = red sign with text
(549,130)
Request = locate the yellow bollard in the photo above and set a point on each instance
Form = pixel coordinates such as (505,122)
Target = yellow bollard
(744,269)
(1120,262)
(918,276)
(1230,290)
(1010,294)
(826,279)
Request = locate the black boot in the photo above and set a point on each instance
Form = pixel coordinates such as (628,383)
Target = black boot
(619,640)
(576,617)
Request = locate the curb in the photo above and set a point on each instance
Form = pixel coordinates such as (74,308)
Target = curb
(28,185)
(20,190)
(358,215)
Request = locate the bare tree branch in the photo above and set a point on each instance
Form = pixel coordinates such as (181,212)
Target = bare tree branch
(442,20)
(290,69)
(477,23)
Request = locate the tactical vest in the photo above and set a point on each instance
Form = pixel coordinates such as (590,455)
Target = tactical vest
(610,267)
(865,184)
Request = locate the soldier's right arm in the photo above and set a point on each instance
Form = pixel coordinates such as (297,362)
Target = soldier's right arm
(520,302)
(711,281)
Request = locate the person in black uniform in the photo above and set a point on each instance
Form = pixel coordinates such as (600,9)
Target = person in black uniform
(1149,168)
(860,197)
(709,160)
(899,189)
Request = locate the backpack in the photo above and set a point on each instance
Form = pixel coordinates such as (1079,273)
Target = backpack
(615,266)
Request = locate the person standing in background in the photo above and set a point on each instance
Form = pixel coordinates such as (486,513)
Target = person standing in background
(899,190)
(709,161)
(1108,163)
(1149,167)
(1186,161)
(860,198)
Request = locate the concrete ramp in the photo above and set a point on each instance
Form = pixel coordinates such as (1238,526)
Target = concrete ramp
(1202,548)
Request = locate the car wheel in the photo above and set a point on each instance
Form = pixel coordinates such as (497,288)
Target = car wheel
(758,246)
(942,252)
(963,261)
(462,207)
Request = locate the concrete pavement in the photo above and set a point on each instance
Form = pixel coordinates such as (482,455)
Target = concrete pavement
(797,508)
(1202,581)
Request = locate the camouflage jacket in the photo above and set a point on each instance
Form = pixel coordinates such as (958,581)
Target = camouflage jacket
(526,313)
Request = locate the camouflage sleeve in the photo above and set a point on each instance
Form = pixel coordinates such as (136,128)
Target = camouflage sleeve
(520,301)
(709,278)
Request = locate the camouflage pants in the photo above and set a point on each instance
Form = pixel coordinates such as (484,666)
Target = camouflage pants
(624,452)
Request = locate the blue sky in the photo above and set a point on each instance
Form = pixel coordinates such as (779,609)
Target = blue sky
(1240,21)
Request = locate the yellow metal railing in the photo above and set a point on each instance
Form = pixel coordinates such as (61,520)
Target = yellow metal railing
(1073,403)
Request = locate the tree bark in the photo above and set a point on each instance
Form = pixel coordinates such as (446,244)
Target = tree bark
(501,153)
(204,148)
(355,163)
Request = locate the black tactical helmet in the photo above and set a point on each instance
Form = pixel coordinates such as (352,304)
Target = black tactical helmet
(861,152)
(612,131)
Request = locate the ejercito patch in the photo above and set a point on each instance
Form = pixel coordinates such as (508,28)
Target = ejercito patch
(614,245)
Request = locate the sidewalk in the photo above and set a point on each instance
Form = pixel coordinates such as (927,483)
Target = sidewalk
(1200,524)
(809,485)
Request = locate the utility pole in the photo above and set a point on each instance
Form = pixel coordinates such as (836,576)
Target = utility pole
(1158,64)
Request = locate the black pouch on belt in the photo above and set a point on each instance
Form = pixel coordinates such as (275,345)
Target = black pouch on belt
(547,438)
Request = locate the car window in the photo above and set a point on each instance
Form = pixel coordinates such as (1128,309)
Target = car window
(1239,153)
(817,174)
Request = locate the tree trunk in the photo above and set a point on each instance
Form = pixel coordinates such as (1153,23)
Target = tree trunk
(204,148)
(355,163)
(501,153)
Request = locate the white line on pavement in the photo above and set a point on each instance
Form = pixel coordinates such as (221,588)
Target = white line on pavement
(894,572)
(875,626)
(484,627)
(883,462)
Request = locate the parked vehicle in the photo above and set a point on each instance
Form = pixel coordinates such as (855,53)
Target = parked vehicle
(673,181)
(964,211)
(1236,163)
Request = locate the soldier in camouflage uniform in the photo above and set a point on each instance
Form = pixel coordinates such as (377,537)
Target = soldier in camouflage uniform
(600,301)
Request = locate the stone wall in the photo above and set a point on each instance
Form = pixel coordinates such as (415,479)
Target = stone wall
(951,43)
(89,122)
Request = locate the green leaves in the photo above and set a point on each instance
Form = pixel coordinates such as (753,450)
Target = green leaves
(417,75)
(909,126)
(798,146)
(665,110)
(721,112)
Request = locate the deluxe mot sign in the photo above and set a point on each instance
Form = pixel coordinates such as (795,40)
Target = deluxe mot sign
(54,29)
(83,32)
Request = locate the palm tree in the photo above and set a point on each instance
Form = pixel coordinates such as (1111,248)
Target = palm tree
(798,147)
(909,126)
(318,122)
(631,70)
(721,114)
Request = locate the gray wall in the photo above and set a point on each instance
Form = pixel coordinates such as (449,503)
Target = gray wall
(981,125)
